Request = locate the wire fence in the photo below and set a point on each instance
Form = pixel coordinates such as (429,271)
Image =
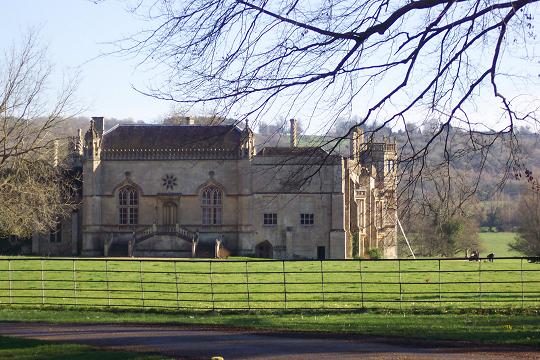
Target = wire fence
(272,284)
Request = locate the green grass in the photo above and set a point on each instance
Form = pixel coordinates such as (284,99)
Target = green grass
(209,285)
(497,243)
(493,327)
(25,349)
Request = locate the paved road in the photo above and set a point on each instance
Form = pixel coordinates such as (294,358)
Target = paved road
(192,343)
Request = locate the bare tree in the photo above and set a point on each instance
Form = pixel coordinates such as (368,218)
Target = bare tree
(443,218)
(528,238)
(32,190)
(394,60)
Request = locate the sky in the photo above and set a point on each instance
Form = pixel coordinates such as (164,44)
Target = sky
(75,33)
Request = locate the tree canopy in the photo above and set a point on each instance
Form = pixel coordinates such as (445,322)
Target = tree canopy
(33,194)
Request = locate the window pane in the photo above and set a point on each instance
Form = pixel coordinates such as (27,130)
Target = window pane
(217,216)
(206,216)
(270,219)
(123,216)
(206,197)
(133,216)
(133,198)
(307,219)
(122,196)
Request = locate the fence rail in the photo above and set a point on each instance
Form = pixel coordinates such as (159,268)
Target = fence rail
(271,284)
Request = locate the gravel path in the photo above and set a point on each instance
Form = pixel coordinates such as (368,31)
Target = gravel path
(202,343)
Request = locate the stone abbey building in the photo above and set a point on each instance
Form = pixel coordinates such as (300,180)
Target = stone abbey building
(191,190)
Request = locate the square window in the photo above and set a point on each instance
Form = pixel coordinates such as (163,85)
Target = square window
(270,219)
(307,219)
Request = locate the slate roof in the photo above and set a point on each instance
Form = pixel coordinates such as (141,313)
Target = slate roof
(143,136)
(292,151)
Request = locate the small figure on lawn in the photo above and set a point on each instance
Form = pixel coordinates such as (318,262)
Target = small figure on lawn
(490,257)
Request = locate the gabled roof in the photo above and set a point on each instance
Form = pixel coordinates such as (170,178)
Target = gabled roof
(143,136)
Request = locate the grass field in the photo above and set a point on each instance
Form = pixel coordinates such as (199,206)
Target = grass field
(245,285)
(497,243)
(24,349)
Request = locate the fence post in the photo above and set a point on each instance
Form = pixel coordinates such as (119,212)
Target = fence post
(176,280)
(42,284)
(522,292)
(400,287)
(361,283)
(322,285)
(247,287)
(439,277)
(284,282)
(10,277)
(141,282)
(74,282)
(212,287)
(107,282)
(480,281)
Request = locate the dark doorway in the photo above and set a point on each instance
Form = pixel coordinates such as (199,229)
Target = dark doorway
(264,250)
(321,253)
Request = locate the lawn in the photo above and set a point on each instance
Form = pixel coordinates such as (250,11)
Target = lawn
(25,349)
(497,243)
(521,328)
(257,285)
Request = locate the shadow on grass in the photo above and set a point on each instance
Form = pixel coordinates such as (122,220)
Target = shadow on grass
(28,349)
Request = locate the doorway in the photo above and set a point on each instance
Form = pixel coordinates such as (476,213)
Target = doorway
(321,253)
(264,250)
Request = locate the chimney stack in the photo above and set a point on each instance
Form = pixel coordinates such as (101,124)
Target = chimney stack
(294,128)
(99,123)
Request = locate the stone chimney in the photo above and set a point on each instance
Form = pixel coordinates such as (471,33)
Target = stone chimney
(99,124)
(294,129)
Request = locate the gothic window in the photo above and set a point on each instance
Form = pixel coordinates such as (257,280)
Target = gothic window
(169,213)
(128,206)
(211,205)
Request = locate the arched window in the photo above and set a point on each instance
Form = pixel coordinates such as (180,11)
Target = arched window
(128,206)
(169,213)
(211,206)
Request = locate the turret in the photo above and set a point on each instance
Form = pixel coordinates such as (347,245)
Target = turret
(247,142)
(356,141)
(92,140)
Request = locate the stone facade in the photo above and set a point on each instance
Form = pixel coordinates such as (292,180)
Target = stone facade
(173,190)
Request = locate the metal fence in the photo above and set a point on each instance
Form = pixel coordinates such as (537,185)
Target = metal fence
(271,284)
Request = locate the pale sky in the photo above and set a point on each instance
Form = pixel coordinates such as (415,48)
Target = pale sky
(78,31)
(75,32)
